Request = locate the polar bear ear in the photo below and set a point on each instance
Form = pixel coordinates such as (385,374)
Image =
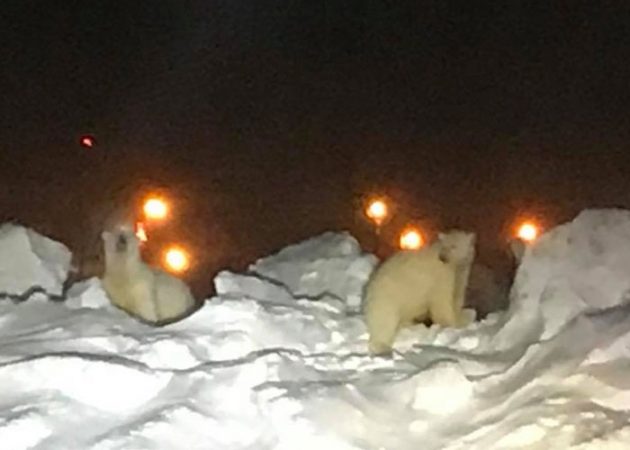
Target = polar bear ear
(441,236)
(105,235)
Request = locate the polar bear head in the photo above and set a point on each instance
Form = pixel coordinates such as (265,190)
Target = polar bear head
(122,246)
(457,246)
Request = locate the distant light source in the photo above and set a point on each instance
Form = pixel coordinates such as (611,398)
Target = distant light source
(155,208)
(176,260)
(141,232)
(528,232)
(87,141)
(411,239)
(377,211)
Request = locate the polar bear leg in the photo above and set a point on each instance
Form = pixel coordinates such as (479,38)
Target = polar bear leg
(382,330)
(147,311)
(449,316)
(444,309)
(145,306)
(444,315)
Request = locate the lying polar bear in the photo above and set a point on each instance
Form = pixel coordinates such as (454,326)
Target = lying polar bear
(143,291)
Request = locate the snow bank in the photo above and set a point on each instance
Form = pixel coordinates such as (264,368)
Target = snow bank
(262,366)
(328,266)
(31,264)
(580,266)
(87,294)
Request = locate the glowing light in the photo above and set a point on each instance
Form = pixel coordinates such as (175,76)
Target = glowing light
(87,141)
(528,232)
(411,239)
(141,232)
(377,211)
(176,259)
(155,208)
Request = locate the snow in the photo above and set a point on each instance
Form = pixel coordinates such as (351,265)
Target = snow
(31,264)
(580,266)
(330,265)
(277,360)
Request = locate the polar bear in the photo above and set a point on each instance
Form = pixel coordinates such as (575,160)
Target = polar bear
(142,291)
(412,286)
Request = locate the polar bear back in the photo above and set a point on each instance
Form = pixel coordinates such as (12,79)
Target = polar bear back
(405,281)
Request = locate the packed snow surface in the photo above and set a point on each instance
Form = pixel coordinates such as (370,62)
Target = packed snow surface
(277,360)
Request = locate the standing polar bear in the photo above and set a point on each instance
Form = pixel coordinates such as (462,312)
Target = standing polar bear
(142,291)
(417,285)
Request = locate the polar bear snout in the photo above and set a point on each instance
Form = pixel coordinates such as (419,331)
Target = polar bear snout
(122,243)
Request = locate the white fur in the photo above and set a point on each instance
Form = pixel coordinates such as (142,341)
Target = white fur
(145,292)
(416,285)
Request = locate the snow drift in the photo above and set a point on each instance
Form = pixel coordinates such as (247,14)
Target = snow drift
(31,264)
(582,266)
(275,361)
(330,266)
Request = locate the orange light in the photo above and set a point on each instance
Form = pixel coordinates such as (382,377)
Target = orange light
(176,259)
(528,232)
(411,239)
(155,208)
(377,211)
(141,232)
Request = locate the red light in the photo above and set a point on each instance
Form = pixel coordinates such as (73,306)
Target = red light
(87,141)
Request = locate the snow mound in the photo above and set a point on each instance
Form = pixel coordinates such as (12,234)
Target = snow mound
(31,263)
(580,266)
(87,294)
(263,366)
(329,265)
(236,285)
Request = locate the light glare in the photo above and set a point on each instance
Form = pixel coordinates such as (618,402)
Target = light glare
(528,232)
(155,208)
(377,211)
(176,260)
(411,239)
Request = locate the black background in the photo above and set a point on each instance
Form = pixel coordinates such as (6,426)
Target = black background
(270,121)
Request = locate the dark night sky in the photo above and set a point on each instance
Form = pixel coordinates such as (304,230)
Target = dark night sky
(272,119)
